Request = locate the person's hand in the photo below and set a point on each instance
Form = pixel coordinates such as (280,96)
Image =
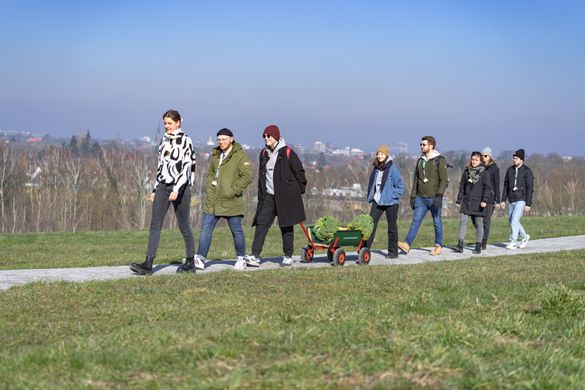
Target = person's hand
(483,204)
(438,202)
(527,210)
(503,205)
(412,203)
(173,196)
(152,197)
(497,205)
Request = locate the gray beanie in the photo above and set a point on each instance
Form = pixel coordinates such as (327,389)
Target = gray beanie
(487,150)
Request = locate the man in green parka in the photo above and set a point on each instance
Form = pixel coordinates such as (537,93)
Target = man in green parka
(228,176)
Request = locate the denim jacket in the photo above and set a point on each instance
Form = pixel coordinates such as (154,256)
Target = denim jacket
(391,189)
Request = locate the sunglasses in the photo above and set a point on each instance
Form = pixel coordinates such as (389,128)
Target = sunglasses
(423,144)
(266,136)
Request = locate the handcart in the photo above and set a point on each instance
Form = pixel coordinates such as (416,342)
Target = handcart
(335,253)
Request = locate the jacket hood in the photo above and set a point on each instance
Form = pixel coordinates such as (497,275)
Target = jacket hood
(281,144)
(433,154)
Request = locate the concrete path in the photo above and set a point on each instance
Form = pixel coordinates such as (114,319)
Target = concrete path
(417,255)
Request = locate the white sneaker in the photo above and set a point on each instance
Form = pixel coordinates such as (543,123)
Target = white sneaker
(286,261)
(524,242)
(252,261)
(511,245)
(240,264)
(199,263)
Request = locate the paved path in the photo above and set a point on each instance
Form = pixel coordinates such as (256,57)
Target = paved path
(417,255)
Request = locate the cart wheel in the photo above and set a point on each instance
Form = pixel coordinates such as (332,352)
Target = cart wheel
(339,257)
(330,255)
(307,254)
(364,256)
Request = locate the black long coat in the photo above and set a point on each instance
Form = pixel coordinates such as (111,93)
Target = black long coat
(471,195)
(289,186)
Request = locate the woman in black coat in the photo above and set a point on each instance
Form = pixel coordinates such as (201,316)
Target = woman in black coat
(474,192)
(494,199)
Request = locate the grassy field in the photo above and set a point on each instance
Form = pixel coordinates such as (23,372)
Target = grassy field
(508,322)
(124,247)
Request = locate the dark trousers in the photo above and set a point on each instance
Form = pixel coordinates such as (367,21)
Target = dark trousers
(392,217)
(264,220)
(160,207)
(487,219)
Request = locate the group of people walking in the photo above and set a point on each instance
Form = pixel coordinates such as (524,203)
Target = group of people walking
(282,183)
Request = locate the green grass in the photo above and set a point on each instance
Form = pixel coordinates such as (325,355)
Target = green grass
(54,250)
(507,322)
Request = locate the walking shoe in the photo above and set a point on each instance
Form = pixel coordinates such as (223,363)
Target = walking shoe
(511,245)
(436,250)
(252,261)
(240,264)
(483,245)
(286,261)
(189,266)
(477,249)
(144,268)
(524,242)
(404,247)
(199,262)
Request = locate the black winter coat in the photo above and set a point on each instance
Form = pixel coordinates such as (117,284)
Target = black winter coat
(471,195)
(289,185)
(494,173)
(524,185)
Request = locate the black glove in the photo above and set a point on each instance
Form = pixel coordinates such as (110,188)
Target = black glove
(412,203)
(438,202)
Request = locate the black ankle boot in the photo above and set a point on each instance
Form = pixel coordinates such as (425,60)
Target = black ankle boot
(483,245)
(189,266)
(477,249)
(460,246)
(144,268)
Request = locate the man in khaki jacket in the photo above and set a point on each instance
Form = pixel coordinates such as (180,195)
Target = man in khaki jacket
(228,176)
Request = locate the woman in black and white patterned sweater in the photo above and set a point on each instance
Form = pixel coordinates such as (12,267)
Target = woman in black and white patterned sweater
(176,166)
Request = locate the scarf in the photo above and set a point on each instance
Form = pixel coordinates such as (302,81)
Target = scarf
(474,173)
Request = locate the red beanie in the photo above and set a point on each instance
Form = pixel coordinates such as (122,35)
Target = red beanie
(272,131)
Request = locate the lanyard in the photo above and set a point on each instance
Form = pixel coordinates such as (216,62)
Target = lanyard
(515,178)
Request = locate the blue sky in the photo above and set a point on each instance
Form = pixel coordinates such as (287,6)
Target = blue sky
(508,74)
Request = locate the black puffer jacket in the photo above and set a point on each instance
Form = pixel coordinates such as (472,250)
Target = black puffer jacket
(472,194)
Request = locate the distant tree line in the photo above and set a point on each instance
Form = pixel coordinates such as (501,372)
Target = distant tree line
(85,186)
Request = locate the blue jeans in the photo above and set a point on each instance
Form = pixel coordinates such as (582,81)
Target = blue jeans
(421,206)
(207,226)
(515,212)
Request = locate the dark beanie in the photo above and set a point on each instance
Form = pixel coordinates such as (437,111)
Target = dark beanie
(225,131)
(519,153)
(272,131)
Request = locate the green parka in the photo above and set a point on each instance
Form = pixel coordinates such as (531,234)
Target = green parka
(235,174)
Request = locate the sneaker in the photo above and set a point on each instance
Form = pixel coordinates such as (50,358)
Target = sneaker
(286,261)
(240,264)
(436,250)
(524,242)
(511,245)
(199,262)
(404,247)
(252,261)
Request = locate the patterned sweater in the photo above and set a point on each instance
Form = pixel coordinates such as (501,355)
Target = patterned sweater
(176,161)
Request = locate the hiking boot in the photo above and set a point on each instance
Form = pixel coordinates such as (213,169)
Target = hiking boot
(240,264)
(189,266)
(436,250)
(477,249)
(511,245)
(199,262)
(252,261)
(404,247)
(524,242)
(144,268)
(286,261)
(459,246)
(391,255)
(483,245)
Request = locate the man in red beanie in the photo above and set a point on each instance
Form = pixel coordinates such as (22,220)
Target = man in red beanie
(281,184)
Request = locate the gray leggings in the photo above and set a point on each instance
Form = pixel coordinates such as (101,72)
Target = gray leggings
(477,222)
(160,207)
